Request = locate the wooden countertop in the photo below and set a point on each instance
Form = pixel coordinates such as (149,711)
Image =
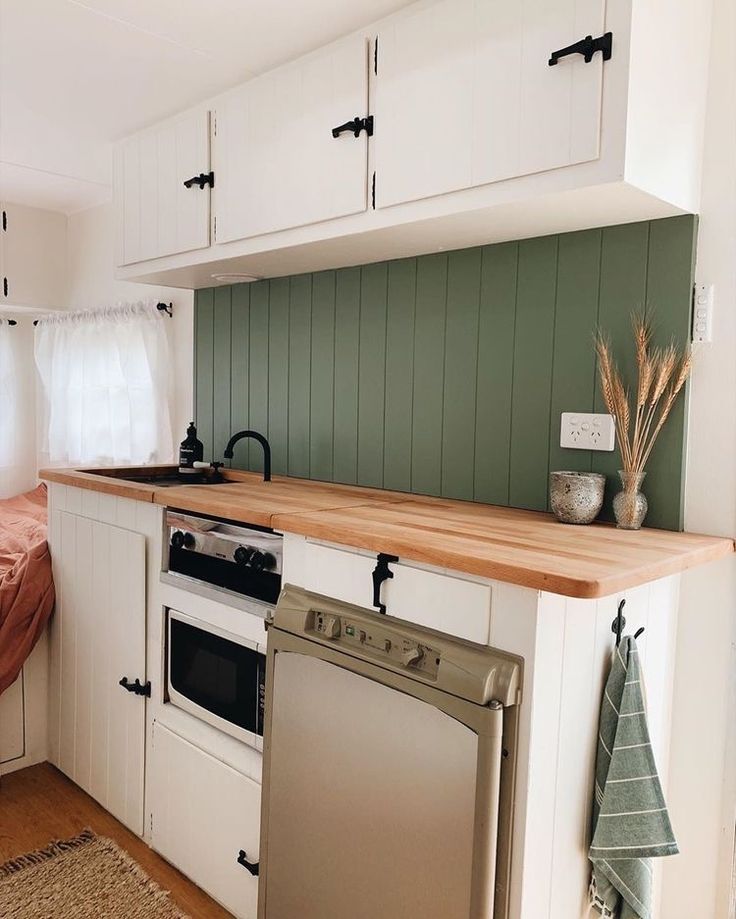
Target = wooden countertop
(522,547)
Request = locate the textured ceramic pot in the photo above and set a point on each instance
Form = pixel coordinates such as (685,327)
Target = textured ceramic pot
(630,505)
(576,497)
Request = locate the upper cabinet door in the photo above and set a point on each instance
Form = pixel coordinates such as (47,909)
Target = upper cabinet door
(157,213)
(276,161)
(465,94)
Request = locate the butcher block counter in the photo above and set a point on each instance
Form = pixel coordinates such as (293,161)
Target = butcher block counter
(527,548)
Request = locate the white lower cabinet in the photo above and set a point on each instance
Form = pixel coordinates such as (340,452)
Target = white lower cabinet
(12,722)
(96,728)
(203,814)
(447,602)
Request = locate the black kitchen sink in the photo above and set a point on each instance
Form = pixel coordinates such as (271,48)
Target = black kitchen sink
(161,481)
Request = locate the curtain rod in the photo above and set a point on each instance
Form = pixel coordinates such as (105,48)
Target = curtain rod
(167,308)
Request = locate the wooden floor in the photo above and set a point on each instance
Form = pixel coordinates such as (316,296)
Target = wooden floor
(40,804)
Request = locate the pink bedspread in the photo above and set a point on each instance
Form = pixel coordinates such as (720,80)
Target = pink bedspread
(26,582)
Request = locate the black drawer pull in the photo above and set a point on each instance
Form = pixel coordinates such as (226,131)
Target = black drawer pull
(140,689)
(588,47)
(249,866)
(204,178)
(355,127)
(382,573)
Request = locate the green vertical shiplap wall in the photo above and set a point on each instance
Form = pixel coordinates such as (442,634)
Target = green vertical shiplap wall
(445,374)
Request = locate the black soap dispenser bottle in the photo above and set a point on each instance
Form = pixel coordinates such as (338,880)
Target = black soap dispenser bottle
(191,451)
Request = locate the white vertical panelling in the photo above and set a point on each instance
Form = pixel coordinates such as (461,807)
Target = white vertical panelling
(546,702)
(183,829)
(12,719)
(97,730)
(514,628)
(578,717)
(465,95)
(159,215)
(277,164)
(424,102)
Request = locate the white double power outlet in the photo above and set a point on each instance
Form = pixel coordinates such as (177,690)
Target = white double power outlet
(587,431)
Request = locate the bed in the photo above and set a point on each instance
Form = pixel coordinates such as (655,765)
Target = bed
(26,581)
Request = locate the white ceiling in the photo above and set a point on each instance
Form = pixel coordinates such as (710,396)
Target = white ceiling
(76,75)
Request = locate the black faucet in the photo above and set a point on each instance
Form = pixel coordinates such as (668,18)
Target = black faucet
(261,440)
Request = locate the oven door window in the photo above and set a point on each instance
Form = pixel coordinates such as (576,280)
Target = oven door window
(219,675)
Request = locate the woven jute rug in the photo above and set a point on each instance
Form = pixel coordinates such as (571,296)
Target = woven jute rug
(88,877)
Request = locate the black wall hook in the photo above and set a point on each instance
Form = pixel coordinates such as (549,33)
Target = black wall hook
(167,308)
(619,623)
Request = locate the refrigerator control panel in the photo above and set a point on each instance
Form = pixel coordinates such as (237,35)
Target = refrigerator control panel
(378,642)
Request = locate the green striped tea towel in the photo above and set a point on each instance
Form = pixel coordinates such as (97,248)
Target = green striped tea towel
(630,821)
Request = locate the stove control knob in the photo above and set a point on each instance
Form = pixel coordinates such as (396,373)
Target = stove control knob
(243,555)
(181,540)
(411,657)
(260,561)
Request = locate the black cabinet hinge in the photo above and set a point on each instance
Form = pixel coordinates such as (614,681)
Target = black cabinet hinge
(203,179)
(355,127)
(373,191)
(5,220)
(140,689)
(588,47)
(5,287)
(375,56)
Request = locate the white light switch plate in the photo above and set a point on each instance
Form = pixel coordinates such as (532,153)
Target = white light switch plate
(703,313)
(581,431)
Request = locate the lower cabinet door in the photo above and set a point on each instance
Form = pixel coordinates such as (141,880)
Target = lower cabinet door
(97,729)
(205,819)
(12,719)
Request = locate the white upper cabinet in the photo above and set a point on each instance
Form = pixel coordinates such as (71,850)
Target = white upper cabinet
(33,252)
(477,137)
(465,94)
(277,164)
(157,213)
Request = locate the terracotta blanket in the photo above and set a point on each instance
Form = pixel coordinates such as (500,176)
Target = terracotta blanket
(26,582)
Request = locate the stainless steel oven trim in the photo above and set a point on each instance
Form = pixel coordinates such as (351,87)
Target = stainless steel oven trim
(173,697)
(218,594)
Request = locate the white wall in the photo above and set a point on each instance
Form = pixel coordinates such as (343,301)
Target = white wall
(92,283)
(702,792)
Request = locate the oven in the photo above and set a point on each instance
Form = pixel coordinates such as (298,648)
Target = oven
(216,675)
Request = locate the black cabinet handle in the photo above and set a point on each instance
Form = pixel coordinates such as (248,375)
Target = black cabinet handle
(355,126)
(204,178)
(382,573)
(140,689)
(253,867)
(587,46)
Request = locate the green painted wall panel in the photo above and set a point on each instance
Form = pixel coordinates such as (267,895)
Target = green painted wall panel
(258,365)
(278,374)
(496,330)
(461,372)
(204,368)
(239,363)
(372,374)
(222,389)
(401,294)
(347,340)
(322,394)
(532,382)
(445,374)
(576,320)
(429,383)
(300,346)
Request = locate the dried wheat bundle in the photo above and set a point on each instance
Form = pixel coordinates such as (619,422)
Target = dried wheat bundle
(662,373)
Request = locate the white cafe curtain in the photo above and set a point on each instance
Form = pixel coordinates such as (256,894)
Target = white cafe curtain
(105,384)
